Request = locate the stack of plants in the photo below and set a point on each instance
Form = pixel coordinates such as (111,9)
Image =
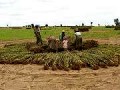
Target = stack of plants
(82,28)
(89,44)
(32,47)
(95,58)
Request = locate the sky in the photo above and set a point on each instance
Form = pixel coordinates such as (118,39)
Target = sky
(56,12)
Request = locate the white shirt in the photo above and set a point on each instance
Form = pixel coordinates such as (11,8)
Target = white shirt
(77,33)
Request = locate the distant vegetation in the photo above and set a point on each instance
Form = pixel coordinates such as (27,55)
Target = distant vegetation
(108,26)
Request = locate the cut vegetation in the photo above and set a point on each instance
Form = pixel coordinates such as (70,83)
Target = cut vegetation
(101,56)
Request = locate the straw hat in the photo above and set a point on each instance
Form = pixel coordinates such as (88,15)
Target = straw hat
(63,30)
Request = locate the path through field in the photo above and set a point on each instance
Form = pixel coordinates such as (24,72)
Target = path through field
(33,77)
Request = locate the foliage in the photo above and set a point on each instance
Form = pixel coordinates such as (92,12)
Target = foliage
(108,26)
(117,27)
(117,23)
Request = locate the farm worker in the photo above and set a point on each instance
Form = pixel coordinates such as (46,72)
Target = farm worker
(37,34)
(78,40)
(52,44)
(62,35)
(65,43)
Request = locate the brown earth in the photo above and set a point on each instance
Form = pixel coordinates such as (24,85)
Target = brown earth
(33,77)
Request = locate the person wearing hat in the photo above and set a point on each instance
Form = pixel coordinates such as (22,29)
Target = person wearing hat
(37,34)
(78,40)
(62,35)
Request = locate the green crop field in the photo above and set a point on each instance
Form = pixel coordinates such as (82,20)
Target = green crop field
(13,34)
(94,33)
(102,33)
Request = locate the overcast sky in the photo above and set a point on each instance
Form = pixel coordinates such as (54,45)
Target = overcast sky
(56,12)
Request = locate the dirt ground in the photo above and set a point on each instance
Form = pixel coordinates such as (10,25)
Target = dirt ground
(33,77)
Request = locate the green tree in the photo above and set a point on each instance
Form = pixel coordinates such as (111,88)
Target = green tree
(82,24)
(117,23)
(46,25)
(91,23)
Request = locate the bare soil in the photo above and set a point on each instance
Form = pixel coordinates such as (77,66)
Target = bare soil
(33,77)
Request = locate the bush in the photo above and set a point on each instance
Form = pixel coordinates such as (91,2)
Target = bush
(117,28)
(109,26)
